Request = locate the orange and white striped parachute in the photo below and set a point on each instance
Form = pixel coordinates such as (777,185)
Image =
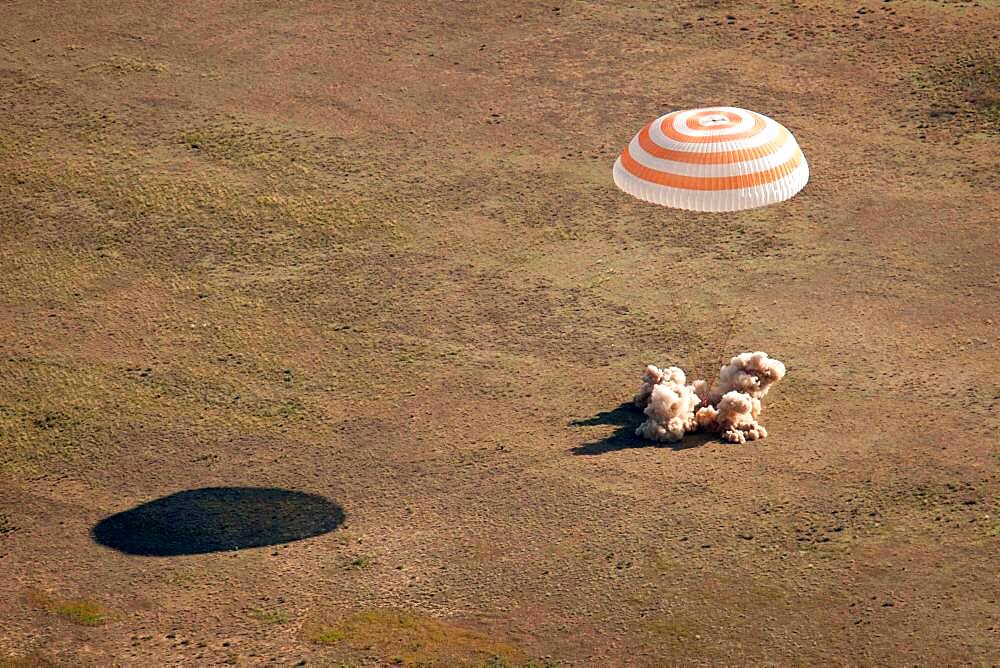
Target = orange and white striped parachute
(712,159)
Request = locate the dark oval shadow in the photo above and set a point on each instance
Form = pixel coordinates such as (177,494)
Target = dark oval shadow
(215,519)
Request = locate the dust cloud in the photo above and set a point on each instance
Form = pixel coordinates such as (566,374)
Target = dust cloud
(730,407)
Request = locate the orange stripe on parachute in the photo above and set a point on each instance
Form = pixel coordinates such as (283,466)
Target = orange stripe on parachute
(715,157)
(667,127)
(735,182)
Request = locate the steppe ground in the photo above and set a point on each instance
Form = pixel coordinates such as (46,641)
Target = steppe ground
(372,251)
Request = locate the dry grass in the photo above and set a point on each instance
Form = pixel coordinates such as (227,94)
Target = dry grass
(31,660)
(79,611)
(414,640)
(376,254)
(72,408)
(673,632)
(964,90)
(120,64)
(7,525)
(269,616)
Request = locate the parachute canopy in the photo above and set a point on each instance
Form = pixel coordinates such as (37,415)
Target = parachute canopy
(712,159)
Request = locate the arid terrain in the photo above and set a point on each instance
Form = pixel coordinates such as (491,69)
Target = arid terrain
(369,258)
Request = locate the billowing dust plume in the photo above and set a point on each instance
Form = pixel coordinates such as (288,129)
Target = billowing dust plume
(749,373)
(668,404)
(730,407)
(734,419)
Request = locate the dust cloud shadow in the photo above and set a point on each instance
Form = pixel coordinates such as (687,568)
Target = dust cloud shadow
(216,519)
(627,418)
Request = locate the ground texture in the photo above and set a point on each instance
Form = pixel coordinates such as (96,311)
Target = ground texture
(372,252)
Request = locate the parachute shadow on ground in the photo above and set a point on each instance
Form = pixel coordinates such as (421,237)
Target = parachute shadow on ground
(216,519)
(627,417)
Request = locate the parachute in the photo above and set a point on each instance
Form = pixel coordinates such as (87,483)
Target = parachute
(712,159)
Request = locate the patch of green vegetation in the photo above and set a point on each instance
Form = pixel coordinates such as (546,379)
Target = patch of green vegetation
(87,613)
(79,611)
(270,616)
(409,639)
(329,636)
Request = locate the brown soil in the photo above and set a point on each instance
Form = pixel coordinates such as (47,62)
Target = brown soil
(372,252)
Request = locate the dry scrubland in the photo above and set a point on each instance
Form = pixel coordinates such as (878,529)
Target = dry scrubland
(372,251)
